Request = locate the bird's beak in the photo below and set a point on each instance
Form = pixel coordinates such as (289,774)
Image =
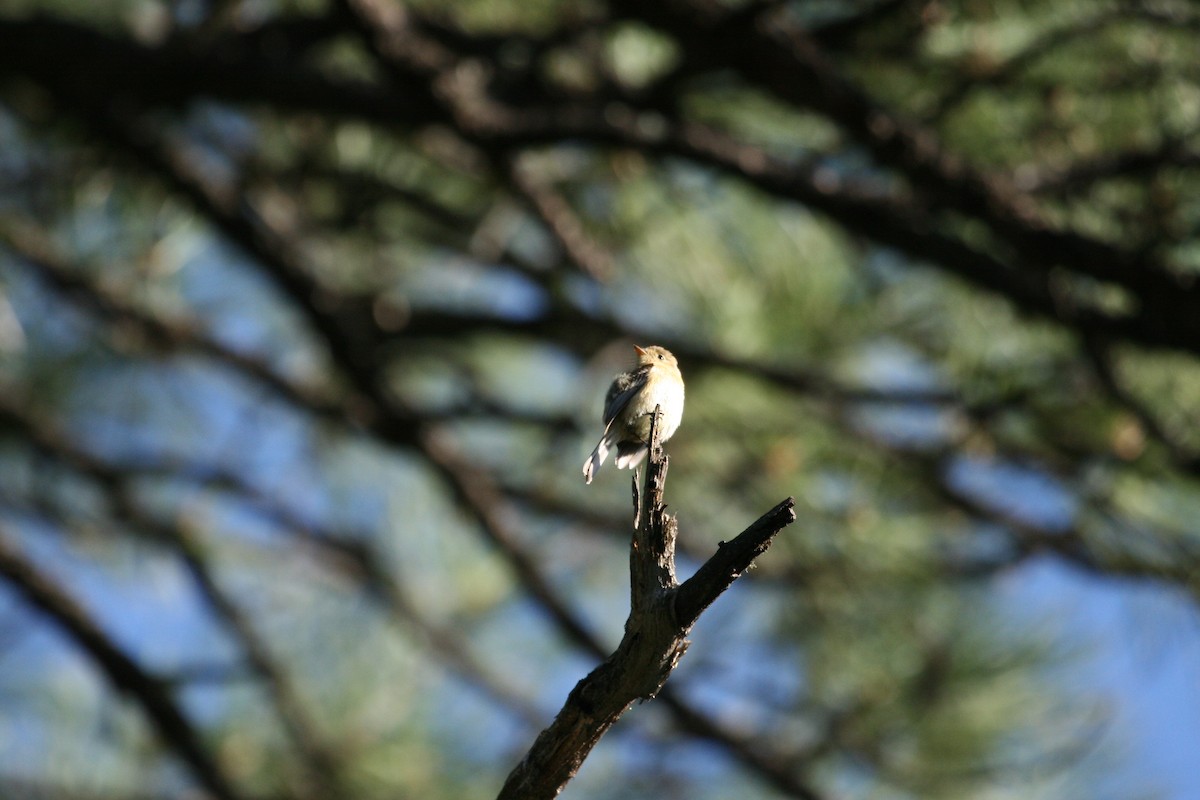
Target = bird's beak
(641,351)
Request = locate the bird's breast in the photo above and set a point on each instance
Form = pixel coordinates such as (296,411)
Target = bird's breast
(664,393)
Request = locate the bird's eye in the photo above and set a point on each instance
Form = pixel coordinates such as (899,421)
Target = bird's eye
(660,358)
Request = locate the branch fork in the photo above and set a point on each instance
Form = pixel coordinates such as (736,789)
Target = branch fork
(662,613)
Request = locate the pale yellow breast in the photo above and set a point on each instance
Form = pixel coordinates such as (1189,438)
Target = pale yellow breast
(658,392)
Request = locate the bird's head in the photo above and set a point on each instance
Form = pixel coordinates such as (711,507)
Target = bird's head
(655,355)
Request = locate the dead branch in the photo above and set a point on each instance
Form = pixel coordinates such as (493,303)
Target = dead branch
(662,613)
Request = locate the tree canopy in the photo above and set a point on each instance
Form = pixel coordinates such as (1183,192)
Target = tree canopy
(307,311)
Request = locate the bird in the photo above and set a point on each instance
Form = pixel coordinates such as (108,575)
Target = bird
(629,405)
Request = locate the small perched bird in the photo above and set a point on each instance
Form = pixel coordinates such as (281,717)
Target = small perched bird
(629,405)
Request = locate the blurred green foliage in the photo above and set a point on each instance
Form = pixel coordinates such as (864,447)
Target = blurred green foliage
(870,652)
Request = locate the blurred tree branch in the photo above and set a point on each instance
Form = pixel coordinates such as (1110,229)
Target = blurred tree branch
(317,758)
(125,675)
(384,148)
(470,481)
(764,55)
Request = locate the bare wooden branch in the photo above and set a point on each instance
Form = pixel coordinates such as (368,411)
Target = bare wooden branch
(729,562)
(655,633)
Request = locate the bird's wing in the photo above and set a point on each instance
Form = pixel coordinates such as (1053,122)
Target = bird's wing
(623,388)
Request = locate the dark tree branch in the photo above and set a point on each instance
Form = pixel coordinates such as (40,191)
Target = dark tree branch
(561,221)
(494,516)
(157,331)
(125,674)
(837,35)
(458,80)
(1161,318)
(1100,357)
(64,57)
(317,757)
(471,483)
(319,762)
(223,205)
(1050,42)
(788,63)
(1082,174)
(337,554)
(660,617)
(1169,557)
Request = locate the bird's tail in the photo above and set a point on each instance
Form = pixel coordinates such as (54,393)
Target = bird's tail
(592,465)
(630,454)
